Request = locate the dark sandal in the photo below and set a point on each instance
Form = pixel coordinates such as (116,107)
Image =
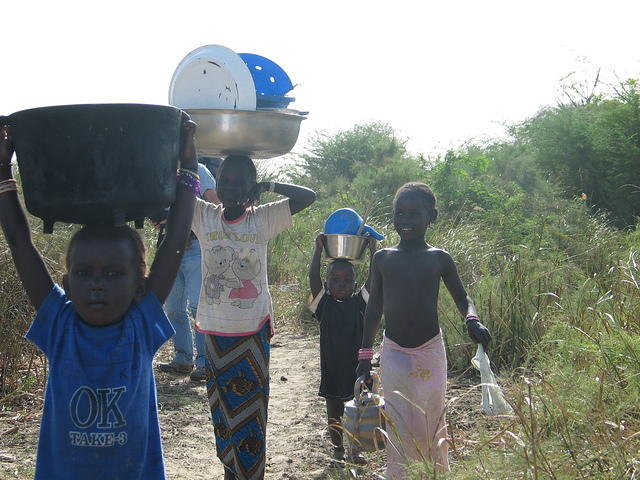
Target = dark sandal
(337,457)
(358,459)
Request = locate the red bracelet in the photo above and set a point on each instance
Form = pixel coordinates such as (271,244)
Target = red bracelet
(472,318)
(365,354)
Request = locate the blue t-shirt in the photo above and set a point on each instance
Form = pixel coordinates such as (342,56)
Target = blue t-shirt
(207,182)
(100,419)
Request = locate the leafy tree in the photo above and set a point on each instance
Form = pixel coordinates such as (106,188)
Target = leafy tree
(346,153)
(592,149)
(380,184)
(461,182)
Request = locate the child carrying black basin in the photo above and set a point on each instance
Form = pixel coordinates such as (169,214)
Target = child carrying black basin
(100,333)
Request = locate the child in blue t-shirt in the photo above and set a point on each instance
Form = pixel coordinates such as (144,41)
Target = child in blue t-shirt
(100,333)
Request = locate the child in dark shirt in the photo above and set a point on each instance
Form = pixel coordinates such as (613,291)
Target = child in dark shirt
(340,311)
(405,281)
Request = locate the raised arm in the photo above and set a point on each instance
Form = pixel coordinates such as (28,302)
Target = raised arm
(373,313)
(315,281)
(477,331)
(169,254)
(33,273)
(371,245)
(299,197)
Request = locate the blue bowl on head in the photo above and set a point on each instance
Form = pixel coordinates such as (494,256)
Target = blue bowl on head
(269,78)
(270,101)
(343,220)
(369,230)
(347,221)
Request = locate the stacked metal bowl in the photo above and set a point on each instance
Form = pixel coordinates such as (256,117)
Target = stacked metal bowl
(239,102)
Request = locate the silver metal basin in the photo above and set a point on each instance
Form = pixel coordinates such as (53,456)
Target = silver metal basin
(348,247)
(258,134)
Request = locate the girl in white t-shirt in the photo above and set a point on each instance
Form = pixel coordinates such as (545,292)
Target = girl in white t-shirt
(235,308)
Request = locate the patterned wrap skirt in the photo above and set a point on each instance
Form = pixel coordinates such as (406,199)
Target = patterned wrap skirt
(238,391)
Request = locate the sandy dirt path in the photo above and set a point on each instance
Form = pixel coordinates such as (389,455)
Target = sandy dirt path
(295,439)
(297,445)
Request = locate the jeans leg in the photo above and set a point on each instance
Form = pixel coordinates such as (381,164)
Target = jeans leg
(193,283)
(200,353)
(176,308)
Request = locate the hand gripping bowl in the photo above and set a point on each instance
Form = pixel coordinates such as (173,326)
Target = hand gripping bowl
(258,134)
(107,163)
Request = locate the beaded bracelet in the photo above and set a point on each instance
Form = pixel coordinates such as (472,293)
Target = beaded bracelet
(189,172)
(365,354)
(190,182)
(8,185)
(472,318)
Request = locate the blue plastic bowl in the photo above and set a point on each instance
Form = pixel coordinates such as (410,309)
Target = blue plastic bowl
(269,78)
(343,220)
(347,221)
(269,101)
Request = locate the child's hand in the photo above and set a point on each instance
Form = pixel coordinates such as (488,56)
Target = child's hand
(188,158)
(158,225)
(6,144)
(479,333)
(257,190)
(364,369)
(372,245)
(320,241)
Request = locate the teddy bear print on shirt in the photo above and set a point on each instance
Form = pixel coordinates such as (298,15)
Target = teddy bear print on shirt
(246,267)
(217,261)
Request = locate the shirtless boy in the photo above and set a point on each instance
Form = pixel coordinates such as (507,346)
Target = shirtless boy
(405,287)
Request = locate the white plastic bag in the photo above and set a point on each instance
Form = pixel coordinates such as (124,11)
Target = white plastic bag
(493,402)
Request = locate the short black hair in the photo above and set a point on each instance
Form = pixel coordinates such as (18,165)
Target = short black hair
(111,232)
(422,192)
(340,262)
(242,161)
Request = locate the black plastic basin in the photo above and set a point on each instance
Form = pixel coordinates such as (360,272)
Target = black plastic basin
(97,163)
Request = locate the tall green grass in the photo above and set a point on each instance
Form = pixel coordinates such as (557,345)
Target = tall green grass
(22,366)
(564,309)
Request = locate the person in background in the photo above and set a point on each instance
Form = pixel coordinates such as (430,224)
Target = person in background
(182,303)
(99,333)
(340,311)
(212,164)
(405,280)
(235,310)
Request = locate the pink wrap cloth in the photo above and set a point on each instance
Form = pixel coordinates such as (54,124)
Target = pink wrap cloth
(420,374)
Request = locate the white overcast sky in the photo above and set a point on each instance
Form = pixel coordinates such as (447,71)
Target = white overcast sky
(439,72)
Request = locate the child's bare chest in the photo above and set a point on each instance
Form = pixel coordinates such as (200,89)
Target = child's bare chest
(422,267)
